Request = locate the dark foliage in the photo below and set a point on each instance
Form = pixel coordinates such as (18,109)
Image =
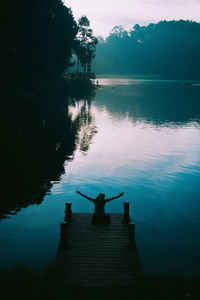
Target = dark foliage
(170,48)
(37,38)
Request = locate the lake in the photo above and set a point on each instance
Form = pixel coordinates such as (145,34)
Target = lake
(140,137)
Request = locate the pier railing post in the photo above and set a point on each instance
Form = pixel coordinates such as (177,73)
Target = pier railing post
(68,212)
(63,235)
(126,212)
(131,234)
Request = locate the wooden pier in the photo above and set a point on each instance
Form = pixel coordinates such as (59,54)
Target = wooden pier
(98,255)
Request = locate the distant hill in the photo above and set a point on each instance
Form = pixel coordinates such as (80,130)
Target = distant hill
(169,48)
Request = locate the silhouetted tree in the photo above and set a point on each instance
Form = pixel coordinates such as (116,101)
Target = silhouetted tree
(118,31)
(86,42)
(36,38)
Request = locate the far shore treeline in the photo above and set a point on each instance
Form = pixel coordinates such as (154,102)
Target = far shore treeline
(168,48)
(38,39)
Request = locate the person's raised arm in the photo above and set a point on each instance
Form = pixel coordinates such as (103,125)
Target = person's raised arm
(115,197)
(91,199)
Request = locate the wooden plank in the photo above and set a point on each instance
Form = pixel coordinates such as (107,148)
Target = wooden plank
(98,255)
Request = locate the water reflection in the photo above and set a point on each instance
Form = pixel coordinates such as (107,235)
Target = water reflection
(148,144)
(143,139)
(80,112)
(38,136)
(156,102)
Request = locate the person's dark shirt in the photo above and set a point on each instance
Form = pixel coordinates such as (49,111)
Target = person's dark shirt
(99,207)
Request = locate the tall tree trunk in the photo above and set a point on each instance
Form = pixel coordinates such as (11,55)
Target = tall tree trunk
(77,70)
(84,68)
(88,67)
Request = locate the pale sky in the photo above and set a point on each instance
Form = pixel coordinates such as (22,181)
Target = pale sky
(105,14)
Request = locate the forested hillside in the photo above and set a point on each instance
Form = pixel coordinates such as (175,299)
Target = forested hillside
(170,48)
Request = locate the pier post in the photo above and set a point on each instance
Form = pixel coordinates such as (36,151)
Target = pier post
(126,212)
(68,212)
(63,235)
(131,234)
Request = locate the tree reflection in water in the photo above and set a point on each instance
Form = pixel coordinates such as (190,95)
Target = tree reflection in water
(81,114)
(38,136)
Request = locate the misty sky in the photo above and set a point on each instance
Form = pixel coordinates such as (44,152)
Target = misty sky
(105,14)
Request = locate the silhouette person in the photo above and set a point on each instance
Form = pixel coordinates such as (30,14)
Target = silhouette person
(99,202)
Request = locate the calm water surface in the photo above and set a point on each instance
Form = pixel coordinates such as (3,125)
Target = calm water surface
(141,137)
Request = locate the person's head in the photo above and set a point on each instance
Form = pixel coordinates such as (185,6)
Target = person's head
(101,196)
